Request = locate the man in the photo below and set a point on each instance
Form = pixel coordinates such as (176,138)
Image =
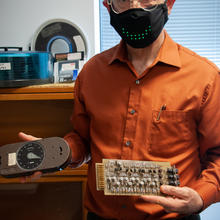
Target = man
(150,99)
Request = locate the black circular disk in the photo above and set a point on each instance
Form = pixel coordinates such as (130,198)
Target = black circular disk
(30,155)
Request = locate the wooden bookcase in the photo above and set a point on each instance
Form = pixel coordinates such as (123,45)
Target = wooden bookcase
(42,111)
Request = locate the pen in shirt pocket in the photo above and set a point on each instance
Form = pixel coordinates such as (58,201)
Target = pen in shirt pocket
(162,108)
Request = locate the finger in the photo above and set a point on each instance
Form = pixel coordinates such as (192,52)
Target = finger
(160,200)
(168,203)
(30,178)
(36,175)
(26,137)
(180,192)
(23,180)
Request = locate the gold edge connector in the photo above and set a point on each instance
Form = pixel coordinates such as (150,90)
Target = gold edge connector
(100,184)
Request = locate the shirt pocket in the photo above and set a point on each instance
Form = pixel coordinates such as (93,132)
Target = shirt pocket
(170,133)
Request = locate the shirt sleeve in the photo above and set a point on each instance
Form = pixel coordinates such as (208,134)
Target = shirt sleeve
(208,183)
(78,138)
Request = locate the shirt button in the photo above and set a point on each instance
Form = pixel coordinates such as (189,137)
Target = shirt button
(138,82)
(132,111)
(128,143)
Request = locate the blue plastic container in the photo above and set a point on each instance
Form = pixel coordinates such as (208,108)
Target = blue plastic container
(25,68)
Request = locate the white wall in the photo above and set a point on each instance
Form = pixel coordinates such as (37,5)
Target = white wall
(20,19)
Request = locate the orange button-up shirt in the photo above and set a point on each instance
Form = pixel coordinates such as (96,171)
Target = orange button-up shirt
(116,115)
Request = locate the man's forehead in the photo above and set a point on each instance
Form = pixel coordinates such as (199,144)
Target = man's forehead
(156,1)
(169,2)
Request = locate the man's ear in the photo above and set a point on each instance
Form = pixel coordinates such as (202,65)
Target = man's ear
(170,4)
(106,5)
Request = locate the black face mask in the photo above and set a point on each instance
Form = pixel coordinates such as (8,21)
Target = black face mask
(140,28)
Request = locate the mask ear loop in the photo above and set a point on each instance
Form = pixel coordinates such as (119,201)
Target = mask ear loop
(105,3)
(109,2)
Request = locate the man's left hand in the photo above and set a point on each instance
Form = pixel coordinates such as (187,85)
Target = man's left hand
(182,200)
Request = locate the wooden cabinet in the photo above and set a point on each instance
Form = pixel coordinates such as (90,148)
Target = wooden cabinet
(42,111)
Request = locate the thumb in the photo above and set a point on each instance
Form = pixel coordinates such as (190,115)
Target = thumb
(26,137)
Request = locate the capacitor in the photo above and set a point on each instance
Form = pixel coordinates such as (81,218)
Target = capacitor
(117,184)
(132,179)
(152,184)
(141,184)
(113,179)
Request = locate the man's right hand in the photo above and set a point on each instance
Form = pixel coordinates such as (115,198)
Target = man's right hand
(36,175)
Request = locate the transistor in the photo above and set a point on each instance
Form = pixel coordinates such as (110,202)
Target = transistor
(132,177)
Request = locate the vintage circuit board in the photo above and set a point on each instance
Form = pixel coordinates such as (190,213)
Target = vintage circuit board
(130,177)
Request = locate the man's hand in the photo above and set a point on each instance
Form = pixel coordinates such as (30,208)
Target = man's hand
(182,200)
(36,175)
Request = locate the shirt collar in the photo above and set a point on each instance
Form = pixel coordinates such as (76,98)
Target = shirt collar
(168,54)
(120,53)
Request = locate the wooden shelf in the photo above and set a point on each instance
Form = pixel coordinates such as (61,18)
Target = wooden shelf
(38,92)
(59,184)
(43,111)
(68,174)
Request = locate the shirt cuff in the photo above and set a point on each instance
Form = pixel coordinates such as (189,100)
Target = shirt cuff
(207,191)
(80,154)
